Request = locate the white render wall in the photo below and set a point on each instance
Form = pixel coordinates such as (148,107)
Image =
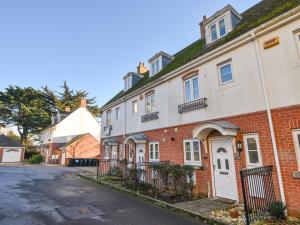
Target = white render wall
(80,121)
(281,65)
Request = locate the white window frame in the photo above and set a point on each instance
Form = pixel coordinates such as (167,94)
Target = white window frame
(152,104)
(221,65)
(256,137)
(155,66)
(134,109)
(108,121)
(117,113)
(191,79)
(297,40)
(297,146)
(106,152)
(154,159)
(192,161)
(216,23)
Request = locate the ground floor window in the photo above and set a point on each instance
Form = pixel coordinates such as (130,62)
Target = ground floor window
(130,152)
(121,152)
(296,136)
(106,152)
(192,151)
(253,152)
(154,151)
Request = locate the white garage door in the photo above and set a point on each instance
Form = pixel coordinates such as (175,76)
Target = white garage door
(12,155)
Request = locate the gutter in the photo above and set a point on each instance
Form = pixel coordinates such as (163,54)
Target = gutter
(272,25)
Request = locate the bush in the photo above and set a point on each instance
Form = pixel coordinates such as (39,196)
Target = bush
(277,210)
(35,159)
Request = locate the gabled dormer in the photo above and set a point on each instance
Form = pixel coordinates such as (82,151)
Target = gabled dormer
(158,62)
(131,78)
(219,24)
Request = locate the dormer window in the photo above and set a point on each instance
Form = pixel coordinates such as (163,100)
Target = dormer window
(127,82)
(158,62)
(219,24)
(218,30)
(131,79)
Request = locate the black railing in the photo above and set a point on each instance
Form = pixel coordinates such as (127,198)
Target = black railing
(189,106)
(82,162)
(149,116)
(154,178)
(258,192)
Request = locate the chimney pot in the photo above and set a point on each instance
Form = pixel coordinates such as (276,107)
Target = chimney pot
(83,103)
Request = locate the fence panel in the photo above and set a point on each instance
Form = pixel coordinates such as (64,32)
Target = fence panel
(258,192)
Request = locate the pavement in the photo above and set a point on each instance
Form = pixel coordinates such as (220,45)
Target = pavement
(44,195)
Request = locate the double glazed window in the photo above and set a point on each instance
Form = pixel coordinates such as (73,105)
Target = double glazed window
(192,151)
(117,113)
(297,39)
(296,136)
(154,151)
(155,67)
(150,104)
(134,107)
(191,88)
(218,29)
(108,117)
(253,154)
(225,73)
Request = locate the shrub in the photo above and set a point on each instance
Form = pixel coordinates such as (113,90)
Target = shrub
(115,171)
(277,210)
(35,159)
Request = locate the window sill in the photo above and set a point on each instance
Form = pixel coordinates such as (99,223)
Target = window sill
(194,165)
(193,105)
(296,174)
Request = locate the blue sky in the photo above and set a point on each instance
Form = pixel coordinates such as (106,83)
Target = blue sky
(93,43)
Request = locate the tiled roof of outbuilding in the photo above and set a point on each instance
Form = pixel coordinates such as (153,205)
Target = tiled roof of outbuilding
(255,16)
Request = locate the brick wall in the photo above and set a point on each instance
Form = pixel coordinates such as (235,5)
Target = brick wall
(285,120)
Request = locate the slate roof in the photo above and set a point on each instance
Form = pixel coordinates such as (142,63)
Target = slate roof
(255,16)
(8,142)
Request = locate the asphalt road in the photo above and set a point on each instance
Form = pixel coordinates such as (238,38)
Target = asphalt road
(43,195)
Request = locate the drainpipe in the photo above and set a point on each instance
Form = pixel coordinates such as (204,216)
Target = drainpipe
(266,98)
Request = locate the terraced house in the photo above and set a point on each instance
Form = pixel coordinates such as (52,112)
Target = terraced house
(228,101)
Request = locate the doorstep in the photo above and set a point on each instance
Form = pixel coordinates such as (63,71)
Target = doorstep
(188,211)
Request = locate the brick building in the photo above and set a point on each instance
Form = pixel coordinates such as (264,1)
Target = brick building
(228,101)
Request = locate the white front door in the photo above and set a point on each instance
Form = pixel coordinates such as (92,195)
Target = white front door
(12,155)
(140,158)
(224,169)
(63,157)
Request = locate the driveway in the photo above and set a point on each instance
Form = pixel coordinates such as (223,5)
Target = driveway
(43,195)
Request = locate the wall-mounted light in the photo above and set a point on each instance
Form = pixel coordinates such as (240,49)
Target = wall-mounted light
(239,146)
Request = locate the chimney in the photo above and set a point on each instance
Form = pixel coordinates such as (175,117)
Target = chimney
(202,27)
(141,68)
(67,109)
(83,103)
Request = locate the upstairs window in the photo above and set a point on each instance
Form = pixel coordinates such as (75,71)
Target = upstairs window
(134,107)
(222,27)
(218,29)
(117,113)
(150,104)
(213,31)
(253,154)
(296,136)
(192,152)
(297,38)
(108,117)
(127,83)
(155,67)
(225,72)
(154,151)
(191,88)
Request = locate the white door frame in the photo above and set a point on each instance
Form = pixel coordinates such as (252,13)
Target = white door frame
(220,138)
